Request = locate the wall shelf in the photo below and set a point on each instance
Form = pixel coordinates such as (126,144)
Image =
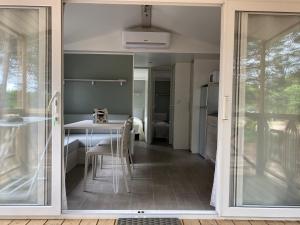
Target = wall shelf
(93,81)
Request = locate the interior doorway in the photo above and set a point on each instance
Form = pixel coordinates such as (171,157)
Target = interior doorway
(158,85)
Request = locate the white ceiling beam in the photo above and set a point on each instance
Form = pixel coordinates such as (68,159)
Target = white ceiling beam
(152,2)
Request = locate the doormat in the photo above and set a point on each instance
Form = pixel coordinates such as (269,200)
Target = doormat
(148,221)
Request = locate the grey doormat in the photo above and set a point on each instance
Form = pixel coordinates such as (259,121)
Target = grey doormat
(149,221)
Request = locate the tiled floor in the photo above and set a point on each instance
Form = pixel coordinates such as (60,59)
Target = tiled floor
(163,178)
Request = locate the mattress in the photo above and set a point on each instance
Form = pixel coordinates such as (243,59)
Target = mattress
(161,129)
(138,128)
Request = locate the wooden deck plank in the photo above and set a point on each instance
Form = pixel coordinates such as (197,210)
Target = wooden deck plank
(89,222)
(19,222)
(106,222)
(5,222)
(225,222)
(54,222)
(270,222)
(241,222)
(291,223)
(208,222)
(71,222)
(112,222)
(36,222)
(190,222)
(258,222)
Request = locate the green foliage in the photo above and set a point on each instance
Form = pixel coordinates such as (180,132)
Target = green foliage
(274,81)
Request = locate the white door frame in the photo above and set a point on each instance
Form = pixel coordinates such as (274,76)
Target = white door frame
(225,120)
(55,208)
(147,213)
(225,94)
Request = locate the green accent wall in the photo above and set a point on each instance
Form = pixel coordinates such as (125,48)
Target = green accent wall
(83,97)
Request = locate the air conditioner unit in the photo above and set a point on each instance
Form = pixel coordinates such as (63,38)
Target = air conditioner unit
(146,39)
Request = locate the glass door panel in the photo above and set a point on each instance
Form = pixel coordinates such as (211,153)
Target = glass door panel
(29,103)
(25,160)
(266,111)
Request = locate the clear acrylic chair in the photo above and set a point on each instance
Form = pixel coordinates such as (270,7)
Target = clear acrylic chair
(108,150)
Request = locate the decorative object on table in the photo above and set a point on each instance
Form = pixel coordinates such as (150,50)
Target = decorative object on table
(100,115)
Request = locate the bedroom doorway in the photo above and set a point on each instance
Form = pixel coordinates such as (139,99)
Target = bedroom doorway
(160,105)
(140,103)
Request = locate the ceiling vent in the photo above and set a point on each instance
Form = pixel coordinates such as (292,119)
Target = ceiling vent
(146,39)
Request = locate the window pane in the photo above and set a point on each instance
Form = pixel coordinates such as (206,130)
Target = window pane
(266,111)
(25,128)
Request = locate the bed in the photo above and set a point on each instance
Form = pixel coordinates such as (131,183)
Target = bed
(138,127)
(160,126)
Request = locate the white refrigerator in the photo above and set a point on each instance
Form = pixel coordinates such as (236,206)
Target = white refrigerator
(209,95)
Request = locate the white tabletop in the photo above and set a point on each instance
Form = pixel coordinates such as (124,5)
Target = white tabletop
(88,124)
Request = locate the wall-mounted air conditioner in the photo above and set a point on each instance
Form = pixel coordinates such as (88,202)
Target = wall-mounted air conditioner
(146,39)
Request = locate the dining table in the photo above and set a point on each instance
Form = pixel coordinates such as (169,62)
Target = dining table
(113,126)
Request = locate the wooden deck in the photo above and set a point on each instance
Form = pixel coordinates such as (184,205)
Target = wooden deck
(112,222)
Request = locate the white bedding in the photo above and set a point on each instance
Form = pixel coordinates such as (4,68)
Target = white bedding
(138,128)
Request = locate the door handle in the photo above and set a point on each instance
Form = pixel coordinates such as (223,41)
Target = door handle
(54,99)
(226,105)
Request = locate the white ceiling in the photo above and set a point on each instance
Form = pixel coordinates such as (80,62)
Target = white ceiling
(88,27)
(270,26)
(20,21)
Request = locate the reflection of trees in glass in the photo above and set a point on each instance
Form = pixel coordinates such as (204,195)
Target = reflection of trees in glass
(19,69)
(32,70)
(252,63)
(281,73)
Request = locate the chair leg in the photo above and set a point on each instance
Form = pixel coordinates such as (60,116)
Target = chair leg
(128,167)
(124,175)
(131,160)
(86,166)
(101,162)
(95,166)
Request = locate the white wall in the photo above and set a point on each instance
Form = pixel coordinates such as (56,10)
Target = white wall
(146,110)
(181,130)
(200,76)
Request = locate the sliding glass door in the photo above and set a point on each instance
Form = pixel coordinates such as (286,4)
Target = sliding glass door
(266,111)
(259,163)
(30,130)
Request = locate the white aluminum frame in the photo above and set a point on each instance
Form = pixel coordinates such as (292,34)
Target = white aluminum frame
(225,123)
(229,7)
(55,208)
(192,214)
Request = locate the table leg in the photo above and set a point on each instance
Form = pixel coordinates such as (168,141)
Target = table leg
(91,139)
(113,162)
(86,139)
(117,158)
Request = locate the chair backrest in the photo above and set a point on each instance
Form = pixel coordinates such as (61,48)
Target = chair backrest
(126,136)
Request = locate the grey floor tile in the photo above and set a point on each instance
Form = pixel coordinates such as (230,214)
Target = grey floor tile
(142,201)
(189,201)
(165,199)
(122,201)
(163,178)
